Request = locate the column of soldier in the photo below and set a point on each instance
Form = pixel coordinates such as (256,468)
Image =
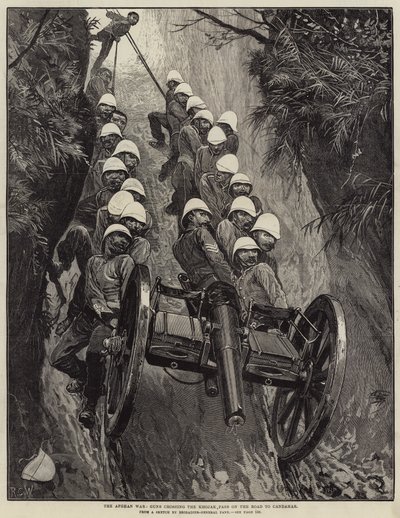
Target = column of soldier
(224,236)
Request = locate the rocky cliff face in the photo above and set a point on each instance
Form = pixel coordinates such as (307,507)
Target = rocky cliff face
(177,446)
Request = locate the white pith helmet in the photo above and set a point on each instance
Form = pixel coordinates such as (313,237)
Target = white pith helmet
(40,469)
(132,184)
(115,227)
(127,146)
(174,75)
(204,114)
(244,243)
(269,223)
(229,118)
(216,136)
(134,210)
(110,129)
(228,164)
(108,99)
(114,164)
(245,204)
(194,204)
(240,178)
(118,202)
(194,101)
(183,88)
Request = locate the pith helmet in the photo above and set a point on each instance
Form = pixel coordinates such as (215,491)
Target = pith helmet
(39,469)
(216,136)
(228,164)
(194,101)
(194,204)
(115,227)
(118,202)
(244,243)
(110,129)
(134,210)
(204,114)
(269,223)
(229,118)
(183,88)
(108,99)
(132,184)
(114,164)
(245,204)
(174,75)
(240,178)
(127,146)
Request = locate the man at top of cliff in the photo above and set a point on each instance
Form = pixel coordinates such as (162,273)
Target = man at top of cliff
(118,27)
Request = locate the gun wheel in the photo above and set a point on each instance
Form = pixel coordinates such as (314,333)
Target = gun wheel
(125,367)
(300,416)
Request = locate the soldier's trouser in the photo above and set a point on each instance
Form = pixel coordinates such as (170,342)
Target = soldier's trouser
(76,337)
(168,167)
(76,244)
(95,363)
(158,120)
(182,182)
(107,40)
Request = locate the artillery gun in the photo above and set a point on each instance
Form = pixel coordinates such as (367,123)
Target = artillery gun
(303,354)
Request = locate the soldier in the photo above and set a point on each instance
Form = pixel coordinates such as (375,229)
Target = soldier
(195,104)
(134,218)
(109,214)
(240,220)
(266,232)
(190,140)
(214,186)
(208,156)
(99,85)
(106,278)
(177,117)
(113,176)
(104,109)
(228,123)
(257,281)
(120,119)
(158,120)
(240,185)
(196,250)
(118,27)
(136,189)
(128,152)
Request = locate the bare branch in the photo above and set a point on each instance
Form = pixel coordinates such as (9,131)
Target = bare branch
(189,23)
(244,32)
(33,41)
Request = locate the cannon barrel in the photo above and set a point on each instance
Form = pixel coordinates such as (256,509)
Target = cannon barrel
(226,340)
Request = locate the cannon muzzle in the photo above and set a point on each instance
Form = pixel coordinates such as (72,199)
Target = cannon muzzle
(226,340)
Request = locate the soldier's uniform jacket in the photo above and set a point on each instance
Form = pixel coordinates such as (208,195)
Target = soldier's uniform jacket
(215,195)
(119,26)
(189,142)
(140,252)
(232,143)
(260,284)
(227,234)
(205,162)
(198,254)
(106,279)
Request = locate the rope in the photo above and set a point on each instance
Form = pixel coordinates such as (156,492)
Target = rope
(142,59)
(181,381)
(115,67)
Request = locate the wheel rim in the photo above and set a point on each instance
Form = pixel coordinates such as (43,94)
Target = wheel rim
(301,415)
(125,368)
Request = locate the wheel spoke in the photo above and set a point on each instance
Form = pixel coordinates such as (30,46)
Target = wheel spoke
(323,349)
(307,412)
(319,375)
(294,422)
(288,408)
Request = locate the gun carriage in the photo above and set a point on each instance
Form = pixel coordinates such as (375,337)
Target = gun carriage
(303,354)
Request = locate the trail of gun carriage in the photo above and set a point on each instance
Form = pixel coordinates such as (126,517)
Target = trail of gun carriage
(199,254)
